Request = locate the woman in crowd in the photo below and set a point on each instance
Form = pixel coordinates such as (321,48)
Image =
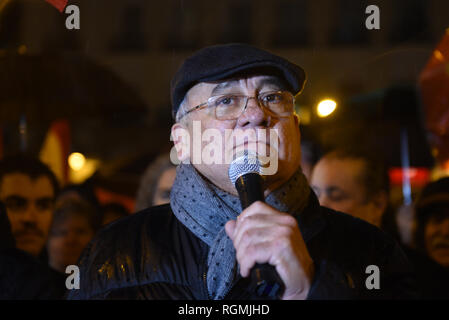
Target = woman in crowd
(74,224)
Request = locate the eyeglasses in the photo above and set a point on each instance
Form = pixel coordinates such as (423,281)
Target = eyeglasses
(19,204)
(232,106)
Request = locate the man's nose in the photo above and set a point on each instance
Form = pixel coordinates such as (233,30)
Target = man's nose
(254,115)
(445,226)
(71,238)
(30,215)
(323,200)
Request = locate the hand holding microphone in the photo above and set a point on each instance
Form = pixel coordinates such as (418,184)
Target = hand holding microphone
(269,246)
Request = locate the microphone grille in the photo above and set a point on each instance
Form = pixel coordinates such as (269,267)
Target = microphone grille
(248,162)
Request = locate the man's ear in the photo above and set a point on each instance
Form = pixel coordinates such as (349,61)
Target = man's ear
(296,119)
(381,200)
(181,140)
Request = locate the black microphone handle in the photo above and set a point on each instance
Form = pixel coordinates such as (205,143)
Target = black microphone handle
(249,187)
(265,280)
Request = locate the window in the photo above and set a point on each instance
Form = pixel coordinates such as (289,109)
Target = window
(10,26)
(410,21)
(185,28)
(237,26)
(349,23)
(131,37)
(291,27)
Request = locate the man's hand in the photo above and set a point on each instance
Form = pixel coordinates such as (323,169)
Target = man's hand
(262,234)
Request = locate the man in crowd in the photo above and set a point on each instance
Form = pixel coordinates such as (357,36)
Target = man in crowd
(355,181)
(22,276)
(352,181)
(28,189)
(432,214)
(203,245)
(74,224)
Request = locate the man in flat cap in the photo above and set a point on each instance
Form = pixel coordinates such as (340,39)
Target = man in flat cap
(203,245)
(432,222)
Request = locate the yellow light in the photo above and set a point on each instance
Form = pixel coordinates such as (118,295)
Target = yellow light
(3,4)
(77,161)
(22,49)
(304,116)
(326,107)
(438,55)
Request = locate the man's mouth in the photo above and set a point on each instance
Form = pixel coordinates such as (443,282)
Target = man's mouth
(441,245)
(28,235)
(247,144)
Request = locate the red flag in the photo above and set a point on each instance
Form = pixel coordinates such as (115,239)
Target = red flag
(434,85)
(55,149)
(106,196)
(58,4)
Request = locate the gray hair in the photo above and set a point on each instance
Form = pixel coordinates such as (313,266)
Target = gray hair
(182,109)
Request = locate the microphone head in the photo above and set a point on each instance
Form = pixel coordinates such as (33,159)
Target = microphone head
(247,162)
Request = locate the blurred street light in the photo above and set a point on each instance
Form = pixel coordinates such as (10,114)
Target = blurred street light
(326,108)
(76,161)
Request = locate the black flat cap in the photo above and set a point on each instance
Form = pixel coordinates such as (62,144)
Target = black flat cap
(434,194)
(224,61)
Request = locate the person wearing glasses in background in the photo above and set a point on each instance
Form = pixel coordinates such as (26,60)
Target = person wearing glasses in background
(203,245)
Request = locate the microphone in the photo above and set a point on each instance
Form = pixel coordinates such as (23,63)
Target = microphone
(244,173)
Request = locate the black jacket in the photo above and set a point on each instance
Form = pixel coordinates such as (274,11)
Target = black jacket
(432,279)
(151,255)
(22,276)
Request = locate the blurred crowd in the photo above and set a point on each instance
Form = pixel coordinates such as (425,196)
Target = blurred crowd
(45,228)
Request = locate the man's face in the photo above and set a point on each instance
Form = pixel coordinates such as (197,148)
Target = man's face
(67,241)
(436,234)
(254,118)
(29,204)
(337,184)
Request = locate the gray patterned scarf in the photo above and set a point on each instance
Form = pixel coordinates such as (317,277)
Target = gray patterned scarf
(204,209)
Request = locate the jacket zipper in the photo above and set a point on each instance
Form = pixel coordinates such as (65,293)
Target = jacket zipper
(204,267)
(205,285)
(205,279)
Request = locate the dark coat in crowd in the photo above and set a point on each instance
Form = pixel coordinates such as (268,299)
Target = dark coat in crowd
(432,280)
(152,255)
(22,276)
